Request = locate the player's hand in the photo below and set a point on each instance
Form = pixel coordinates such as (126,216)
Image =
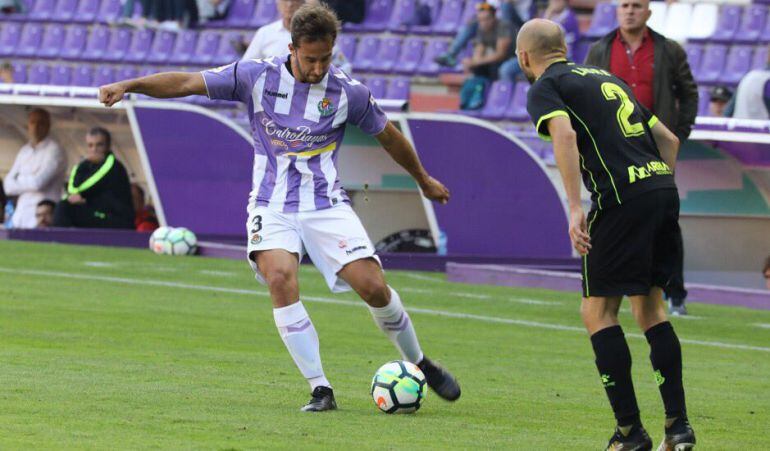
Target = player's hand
(578,231)
(76,199)
(111,94)
(435,190)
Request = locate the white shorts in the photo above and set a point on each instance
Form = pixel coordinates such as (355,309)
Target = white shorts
(332,237)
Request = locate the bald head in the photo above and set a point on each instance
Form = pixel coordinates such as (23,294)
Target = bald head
(539,43)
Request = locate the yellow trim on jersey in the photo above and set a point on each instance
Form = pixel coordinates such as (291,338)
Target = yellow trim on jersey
(550,115)
(314,152)
(653,120)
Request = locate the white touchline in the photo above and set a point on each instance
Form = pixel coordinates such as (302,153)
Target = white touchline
(444,313)
(762,325)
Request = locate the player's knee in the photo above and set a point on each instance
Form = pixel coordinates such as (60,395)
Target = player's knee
(280,276)
(375,292)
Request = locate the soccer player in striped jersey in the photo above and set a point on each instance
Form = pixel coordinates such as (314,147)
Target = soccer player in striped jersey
(299,106)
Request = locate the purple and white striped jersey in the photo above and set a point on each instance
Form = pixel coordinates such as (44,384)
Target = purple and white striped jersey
(297,129)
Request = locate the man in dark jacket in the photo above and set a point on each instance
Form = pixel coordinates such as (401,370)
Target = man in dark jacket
(657,71)
(99,191)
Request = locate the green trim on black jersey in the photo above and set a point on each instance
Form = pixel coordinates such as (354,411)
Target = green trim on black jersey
(653,120)
(545,117)
(612,180)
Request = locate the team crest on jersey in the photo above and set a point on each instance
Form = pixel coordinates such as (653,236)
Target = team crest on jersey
(325,107)
(256,238)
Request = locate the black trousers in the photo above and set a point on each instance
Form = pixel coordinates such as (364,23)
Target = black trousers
(69,215)
(675,288)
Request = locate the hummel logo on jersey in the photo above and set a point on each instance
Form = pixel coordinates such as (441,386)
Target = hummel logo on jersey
(282,95)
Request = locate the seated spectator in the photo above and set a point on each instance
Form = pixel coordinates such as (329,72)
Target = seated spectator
(145,220)
(11,6)
(37,172)
(44,213)
(98,192)
(171,15)
(273,39)
(752,98)
(212,10)
(559,11)
(6,73)
(718,98)
(766,272)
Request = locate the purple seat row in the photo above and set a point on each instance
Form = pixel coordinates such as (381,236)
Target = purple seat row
(406,56)
(397,88)
(721,64)
(505,101)
(398,16)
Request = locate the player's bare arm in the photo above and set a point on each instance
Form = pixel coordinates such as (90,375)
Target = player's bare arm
(402,152)
(567,159)
(165,85)
(667,142)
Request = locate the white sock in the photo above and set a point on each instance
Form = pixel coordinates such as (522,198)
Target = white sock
(395,322)
(301,339)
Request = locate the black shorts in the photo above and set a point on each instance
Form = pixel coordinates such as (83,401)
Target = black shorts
(634,246)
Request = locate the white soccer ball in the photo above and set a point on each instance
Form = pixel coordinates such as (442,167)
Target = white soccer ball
(398,387)
(182,241)
(159,240)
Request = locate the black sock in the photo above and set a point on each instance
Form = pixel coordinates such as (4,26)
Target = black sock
(613,359)
(666,358)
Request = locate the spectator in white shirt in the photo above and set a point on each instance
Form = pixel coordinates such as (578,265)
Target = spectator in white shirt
(38,171)
(274,38)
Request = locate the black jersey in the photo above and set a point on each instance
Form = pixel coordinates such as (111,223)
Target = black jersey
(618,155)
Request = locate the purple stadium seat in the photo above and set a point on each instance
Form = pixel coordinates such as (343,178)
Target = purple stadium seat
(347,45)
(87,11)
(184,47)
(74,42)
(498,99)
(43,10)
(765,36)
(694,57)
(65,10)
(366,52)
(19,72)
(469,13)
(9,38)
(411,56)
(752,24)
(603,20)
(738,63)
(97,43)
(580,50)
(703,102)
(449,20)
(428,66)
(109,11)
(53,38)
(126,73)
(83,76)
(141,42)
(435,11)
(120,42)
(377,86)
(714,59)
(161,47)
(760,58)
(517,109)
(387,55)
(61,76)
(398,89)
(21,17)
(240,13)
(226,54)
(208,43)
(403,13)
(104,76)
(377,17)
(265,12)
(31,37)
(727,24)
(39,74)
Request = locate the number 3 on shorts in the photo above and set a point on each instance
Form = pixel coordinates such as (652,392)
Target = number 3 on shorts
(257,222)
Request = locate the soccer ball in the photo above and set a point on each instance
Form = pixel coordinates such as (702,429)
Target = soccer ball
(398,387)
(182,241)
(159,240)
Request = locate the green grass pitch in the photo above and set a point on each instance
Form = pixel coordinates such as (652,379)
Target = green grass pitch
(104,348)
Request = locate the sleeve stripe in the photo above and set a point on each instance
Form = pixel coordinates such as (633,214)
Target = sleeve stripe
(235,81)
(545,117)
(653,120)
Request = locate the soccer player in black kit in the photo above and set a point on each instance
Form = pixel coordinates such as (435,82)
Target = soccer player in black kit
(626,159)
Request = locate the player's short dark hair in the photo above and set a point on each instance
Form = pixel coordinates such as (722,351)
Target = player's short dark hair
(312,23)
(47,203)
(99,131)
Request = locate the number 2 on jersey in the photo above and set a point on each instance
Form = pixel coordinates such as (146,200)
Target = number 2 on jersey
(612,91)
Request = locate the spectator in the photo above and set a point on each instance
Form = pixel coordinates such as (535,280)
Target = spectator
(656,69)
(11,6)
(348,10)
(44,213)
(212,10)
(37,172)
(766,272)
(559,11)
(273,39)
(752,98)
(98,192)
(506,12)
(718,98)
(6,73)
(172,15)
(145,219)
(3,200)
